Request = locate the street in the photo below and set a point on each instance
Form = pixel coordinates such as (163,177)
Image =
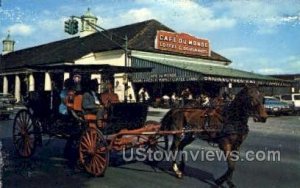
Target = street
(49,168)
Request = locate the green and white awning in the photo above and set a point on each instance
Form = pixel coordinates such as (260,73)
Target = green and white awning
(169,69)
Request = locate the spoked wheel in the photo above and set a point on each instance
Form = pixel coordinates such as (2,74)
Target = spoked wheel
(23,134)
(155,147)
(93,152)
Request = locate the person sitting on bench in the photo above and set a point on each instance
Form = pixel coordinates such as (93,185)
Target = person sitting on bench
(91,103)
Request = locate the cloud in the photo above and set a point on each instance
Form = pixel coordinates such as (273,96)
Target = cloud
(270,71)
(21,29)
(236,51)
(189,15)
(136,15)
(266,65)
(129,17)
(265,16)
(186,16)
(51,24)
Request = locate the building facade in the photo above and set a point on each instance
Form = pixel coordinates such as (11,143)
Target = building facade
(178,60)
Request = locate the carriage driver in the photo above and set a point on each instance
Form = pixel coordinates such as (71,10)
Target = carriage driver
(91,103)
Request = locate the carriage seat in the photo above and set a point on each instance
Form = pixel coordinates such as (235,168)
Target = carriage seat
(74,105)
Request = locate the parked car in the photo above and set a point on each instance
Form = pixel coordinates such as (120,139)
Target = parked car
(276,107)
(7,102)
(292,99)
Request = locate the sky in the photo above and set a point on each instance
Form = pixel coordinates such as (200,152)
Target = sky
(261,36)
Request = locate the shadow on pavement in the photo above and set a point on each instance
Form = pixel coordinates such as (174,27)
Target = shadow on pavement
(46,168)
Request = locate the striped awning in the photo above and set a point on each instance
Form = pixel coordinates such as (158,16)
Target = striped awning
(173,70)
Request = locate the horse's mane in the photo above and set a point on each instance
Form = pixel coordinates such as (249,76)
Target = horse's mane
(167,122)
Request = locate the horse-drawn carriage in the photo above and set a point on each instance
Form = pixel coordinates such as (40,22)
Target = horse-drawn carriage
(126,127)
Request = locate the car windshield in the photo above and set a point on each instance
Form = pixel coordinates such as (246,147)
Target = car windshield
(286,97)
(272,101)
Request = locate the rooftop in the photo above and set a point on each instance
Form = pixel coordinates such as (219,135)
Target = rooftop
(140,35)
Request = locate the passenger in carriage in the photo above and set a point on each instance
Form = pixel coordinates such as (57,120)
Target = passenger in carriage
(91,103)
(109,97)
(77,84)
(66,96)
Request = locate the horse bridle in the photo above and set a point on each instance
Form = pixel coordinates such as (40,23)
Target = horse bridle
(255,107)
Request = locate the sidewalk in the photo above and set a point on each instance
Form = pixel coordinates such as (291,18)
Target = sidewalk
(163,110)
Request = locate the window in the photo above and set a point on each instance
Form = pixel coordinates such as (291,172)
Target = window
(297,97)
(286,97)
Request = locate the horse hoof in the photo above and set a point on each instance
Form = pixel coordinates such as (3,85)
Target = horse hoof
(179,175)
(219,182)
(230,184)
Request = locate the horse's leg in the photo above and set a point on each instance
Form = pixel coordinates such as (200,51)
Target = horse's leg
(188,138)
(174,149)
(231,168)
(227,148)
(235,148)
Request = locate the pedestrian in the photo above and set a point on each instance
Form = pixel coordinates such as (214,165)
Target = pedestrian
(174,99)
(185,94)
(146,96)
(141,94)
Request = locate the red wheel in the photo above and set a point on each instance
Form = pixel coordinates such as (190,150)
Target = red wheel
(156,143)
(93,152)
(155,147)
(23,134)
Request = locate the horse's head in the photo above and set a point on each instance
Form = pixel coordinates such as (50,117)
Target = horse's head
(254,103)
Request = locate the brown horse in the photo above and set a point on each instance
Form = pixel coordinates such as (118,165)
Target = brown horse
(223,124)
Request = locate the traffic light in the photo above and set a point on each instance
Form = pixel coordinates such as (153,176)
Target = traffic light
(71,26)
(67,26)
(74,27)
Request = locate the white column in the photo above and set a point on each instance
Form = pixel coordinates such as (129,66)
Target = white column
(66,75)
(31,83)
(47,86)
(17,88)
(98,77)
(119,86)
(5,84)
(293,90)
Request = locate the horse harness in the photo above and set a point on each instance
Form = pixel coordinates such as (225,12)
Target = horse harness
(224,129)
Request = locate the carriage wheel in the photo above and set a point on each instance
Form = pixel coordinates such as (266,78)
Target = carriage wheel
(23,134)
(155,147)
(93,152)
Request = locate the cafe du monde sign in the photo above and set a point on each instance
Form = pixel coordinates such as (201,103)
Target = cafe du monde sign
(181,43)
